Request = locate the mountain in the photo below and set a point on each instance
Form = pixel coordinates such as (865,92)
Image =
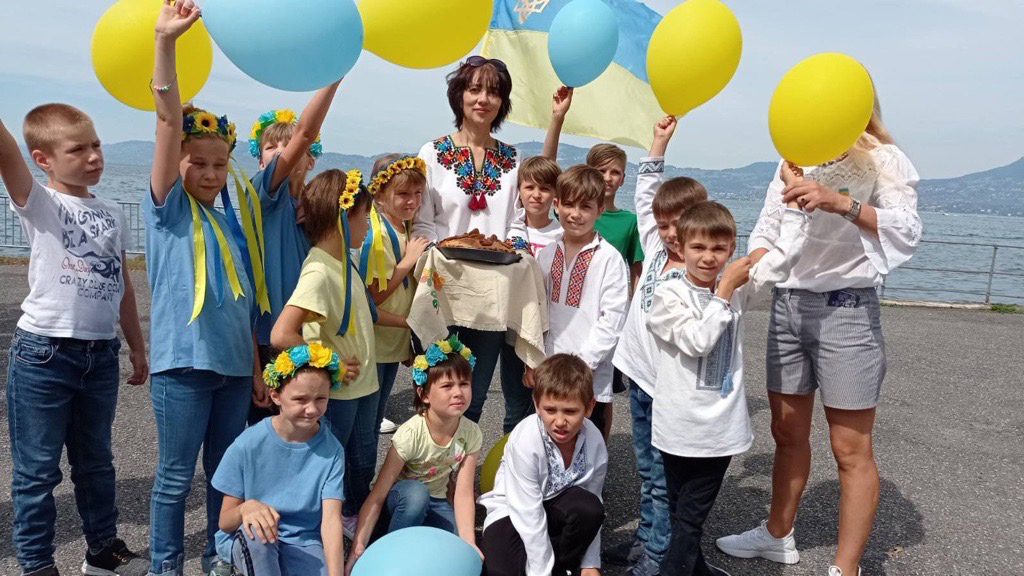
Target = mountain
(995,191)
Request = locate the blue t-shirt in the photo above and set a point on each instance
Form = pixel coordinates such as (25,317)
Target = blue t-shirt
(220,339)
(285,245)
(290,477)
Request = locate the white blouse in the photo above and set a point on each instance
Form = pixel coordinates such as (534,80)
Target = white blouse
(838,253)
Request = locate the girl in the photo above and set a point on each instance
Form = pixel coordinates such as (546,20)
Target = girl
(202,357)
(388,258)
(295,530)
(426,450)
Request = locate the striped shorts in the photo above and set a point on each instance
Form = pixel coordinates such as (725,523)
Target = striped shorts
(827,341)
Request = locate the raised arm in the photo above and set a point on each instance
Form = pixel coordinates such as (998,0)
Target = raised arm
(649,178)
(560,103)
(13,169)
(306,131)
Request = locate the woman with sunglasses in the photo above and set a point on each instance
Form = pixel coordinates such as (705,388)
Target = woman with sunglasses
(471,183)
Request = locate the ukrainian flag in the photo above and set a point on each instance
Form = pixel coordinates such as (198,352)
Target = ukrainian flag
(619,106)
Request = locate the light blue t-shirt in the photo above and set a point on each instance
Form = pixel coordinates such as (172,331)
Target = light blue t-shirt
(290,477)
(285,244)
(220,339)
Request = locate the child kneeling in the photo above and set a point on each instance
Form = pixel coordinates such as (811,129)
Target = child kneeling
(545,513)
(282,477)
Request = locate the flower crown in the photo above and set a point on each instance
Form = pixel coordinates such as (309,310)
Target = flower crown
(287,362)
(353,184)
(283,116)
(436,353)
(390,170)
(200,122)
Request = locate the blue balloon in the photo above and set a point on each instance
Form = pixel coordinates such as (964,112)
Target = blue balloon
(582,41)
(296,45)
(419,551)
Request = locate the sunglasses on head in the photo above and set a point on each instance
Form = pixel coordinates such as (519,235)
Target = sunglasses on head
(478,61)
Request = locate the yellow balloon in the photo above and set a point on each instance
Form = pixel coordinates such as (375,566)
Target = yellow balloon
(489,470)
(693,53)
(423,33)
(820,108)
(123,52)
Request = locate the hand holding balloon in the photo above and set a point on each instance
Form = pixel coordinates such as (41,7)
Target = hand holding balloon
(561,101)
(810,196)
(663,131)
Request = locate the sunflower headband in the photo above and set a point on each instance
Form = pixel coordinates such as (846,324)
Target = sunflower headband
(353,186)
(288,362)
(283,116)
(390,170)
(200,122)
(438,352)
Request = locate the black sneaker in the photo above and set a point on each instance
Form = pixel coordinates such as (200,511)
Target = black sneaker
(114,560)
(624,553)
(48,571)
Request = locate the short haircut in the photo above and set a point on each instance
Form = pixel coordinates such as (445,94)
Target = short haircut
(320,203)
(275,133)
(540,170)
(403,178)
(498,81)
(708,219)
(676,195)
(564,377)
(455,366)
(601,154)
(579,184)
(44,125)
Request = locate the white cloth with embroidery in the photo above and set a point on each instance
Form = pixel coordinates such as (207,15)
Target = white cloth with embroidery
(700,405)
(526,478)
(838,253)
(587,301)
(481,296)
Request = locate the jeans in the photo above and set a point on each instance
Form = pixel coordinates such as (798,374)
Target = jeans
(253,558)
(386,375)
(60,392)
(409,504)
(193,409)
(655,515)
(693,485)
(354,423)
(486,346)
(518,398)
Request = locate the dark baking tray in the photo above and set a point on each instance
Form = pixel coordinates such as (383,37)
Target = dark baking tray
(475,255)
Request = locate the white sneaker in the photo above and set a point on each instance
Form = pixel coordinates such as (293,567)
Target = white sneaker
(387,426)
(348,526)
(836,571)
(759,543)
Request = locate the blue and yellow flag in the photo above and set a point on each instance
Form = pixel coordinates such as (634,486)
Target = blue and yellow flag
(619,106)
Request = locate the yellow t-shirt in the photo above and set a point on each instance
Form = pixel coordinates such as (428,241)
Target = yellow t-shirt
(321,293)
(393,344)
(425,460)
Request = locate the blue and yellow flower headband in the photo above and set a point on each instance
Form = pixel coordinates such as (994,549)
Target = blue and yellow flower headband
(353,186)
(200,122)
(288,362)
(436,353)
(283,116)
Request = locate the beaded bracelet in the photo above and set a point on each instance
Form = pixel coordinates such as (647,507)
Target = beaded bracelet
(162,89)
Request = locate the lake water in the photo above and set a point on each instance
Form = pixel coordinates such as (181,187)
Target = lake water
(975,235)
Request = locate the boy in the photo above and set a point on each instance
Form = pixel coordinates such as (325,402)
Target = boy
(538,177)
(700,415)
(658,207)
(545,513)
(63,376)
(587,284)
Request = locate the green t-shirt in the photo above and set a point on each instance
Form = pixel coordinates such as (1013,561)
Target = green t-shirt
(620,230)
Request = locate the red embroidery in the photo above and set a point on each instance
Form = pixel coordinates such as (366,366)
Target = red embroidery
(579,275)
(477,184)
(557,266)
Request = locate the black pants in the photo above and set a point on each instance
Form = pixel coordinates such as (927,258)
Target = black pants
(598,415)
(574,520)
(693,485)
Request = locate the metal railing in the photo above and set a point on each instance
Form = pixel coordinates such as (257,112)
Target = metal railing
(996,280)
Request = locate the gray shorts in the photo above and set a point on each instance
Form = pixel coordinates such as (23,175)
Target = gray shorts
(828,341)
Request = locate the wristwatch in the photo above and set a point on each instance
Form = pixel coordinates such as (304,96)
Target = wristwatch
(853,212)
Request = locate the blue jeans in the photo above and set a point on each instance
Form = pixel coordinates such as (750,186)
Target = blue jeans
(386,375)
(655,515)
(518,398)
(354,423)
(486,346)
(410,504)
(253,558)
(194,409)
(60,392)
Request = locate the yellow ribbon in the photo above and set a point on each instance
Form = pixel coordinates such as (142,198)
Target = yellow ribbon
(378,267)
(199,259)
(253,238)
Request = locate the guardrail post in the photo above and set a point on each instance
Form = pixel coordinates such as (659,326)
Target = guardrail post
(882,295)
(991,272)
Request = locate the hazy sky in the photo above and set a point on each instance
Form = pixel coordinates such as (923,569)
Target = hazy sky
(950,74)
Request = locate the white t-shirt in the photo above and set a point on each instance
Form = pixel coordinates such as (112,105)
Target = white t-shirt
(538,238)
(75,271)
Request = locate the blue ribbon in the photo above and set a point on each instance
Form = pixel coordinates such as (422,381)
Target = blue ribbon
(237,233)
(346,317)
(364,252)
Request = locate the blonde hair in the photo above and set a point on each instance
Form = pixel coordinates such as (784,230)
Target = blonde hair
(875,135)
(403,178)
(602,154)
(278,132)
(44,125)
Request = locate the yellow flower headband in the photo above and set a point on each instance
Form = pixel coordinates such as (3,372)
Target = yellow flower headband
(288,362)
(353,180)
(199,122)
(390,170)
(283,116)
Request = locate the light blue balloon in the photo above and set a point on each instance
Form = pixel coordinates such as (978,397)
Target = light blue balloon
(296,45)
(582,41)
(419,551)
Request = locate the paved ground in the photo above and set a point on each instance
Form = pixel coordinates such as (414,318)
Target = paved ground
(948,441)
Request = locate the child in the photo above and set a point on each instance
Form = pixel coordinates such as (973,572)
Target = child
(287,150)
(545,513)
(386,262)
(587,283)
(431,447)
(658,207)
(282,478)
(64,369)
(203,305)
(700,415)
(537,180)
